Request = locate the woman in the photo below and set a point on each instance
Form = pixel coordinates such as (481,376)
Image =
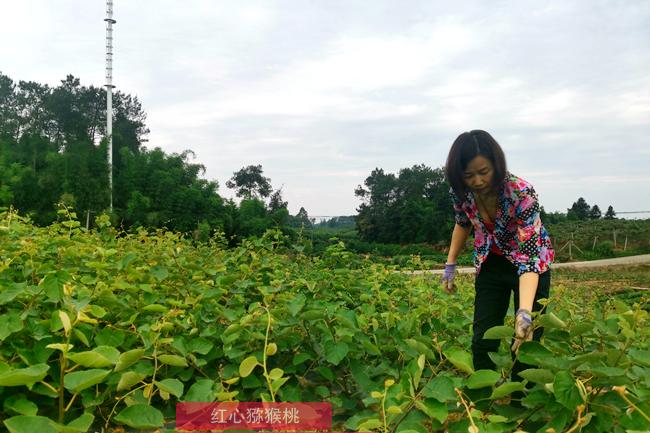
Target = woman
(512,250)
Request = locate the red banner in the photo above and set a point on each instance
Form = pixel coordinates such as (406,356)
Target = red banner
(254,416)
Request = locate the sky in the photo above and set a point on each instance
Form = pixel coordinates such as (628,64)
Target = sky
(320,93)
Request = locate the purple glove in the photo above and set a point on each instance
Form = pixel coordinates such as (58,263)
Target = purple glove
(447,279)
(523,328)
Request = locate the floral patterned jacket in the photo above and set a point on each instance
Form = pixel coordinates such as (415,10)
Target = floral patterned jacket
(518,230)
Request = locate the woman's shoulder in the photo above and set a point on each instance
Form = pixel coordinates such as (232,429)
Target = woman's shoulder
(515,186)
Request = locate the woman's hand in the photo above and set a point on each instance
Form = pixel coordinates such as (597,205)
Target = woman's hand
(523,328)
(447,279)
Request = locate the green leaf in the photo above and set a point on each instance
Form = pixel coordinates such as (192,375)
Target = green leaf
(499,332)
(497,419)
(53,285)
(226,396)
(247,365)
(296,304)
(505,389)
(81,336)
(336,352)
(9,324)
(201,391)
(641,357)
(20,405)
(327,373)
(565,390)
(433,408)
(140,416)
(79,425)
(369,425)
(65,320)
(128,358)
(593,358)
(602,371)
(155,308)
(277,383)
(300,358)
(441,388)
(24,376)
(370,347)
(419,347)
(8,295)
(128,379)
(110,337)
(461,359)
(482,379)
(533,353)
(102,356)
(60,346)
(97,311)
(171,386)
(159,272)
(537,375)
(200,345)
(581,328)
(80,380)
(419,369)
(551,321)
(312,315)
(30,424)
(276,373)
(173,360)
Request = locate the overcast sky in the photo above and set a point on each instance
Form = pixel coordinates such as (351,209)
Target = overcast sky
(322,92)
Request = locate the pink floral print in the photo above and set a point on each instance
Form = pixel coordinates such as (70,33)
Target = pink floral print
(518,229)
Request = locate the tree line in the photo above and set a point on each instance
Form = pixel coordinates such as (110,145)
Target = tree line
(52,150)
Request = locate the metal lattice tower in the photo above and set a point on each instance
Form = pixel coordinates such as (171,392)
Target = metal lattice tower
(109,94)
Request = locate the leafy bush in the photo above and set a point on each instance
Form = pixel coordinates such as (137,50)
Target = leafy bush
(100,329)
(605,249)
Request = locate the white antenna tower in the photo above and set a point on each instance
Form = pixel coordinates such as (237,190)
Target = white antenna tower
(109,94)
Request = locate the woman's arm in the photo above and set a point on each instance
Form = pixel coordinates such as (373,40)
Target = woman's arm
(527,290)
(458,238)
(529,244)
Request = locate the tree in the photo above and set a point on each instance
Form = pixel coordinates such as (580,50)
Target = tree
(610,214)
(166,191)
(253,218)
(339,222)
(412,207)
(278,209)
(276,202)
(594,212)
(579,210)
(249,183)
(553,217)
(301,219)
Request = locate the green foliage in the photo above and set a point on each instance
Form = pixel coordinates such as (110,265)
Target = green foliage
(249,183)
(413,207)
(52,152)
(580,210)
(135,323)
(595,238)
(339,222)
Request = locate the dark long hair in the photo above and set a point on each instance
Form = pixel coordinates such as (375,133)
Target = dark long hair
(466,147)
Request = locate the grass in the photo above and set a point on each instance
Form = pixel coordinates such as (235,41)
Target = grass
(607,279)
(623,282)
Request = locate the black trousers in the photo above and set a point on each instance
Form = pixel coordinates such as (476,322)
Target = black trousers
(494,283)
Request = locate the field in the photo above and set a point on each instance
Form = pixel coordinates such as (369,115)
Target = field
(111,329)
